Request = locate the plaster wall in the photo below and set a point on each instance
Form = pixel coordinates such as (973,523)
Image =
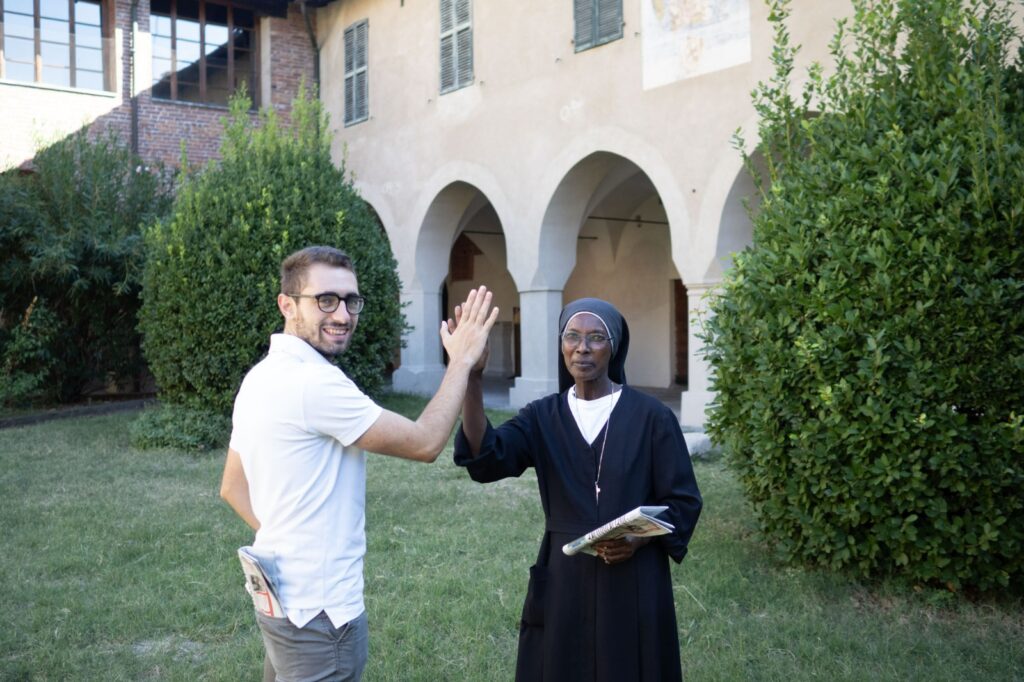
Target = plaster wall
(545,133)
(536,108)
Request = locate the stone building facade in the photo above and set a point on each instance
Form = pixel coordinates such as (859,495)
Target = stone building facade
(582,148)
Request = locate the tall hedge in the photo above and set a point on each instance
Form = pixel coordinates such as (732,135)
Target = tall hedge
(212,272)
(71,239)
(868,348)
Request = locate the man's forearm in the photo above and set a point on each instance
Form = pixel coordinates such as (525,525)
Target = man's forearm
(442,411)
(243,508)
(234,489)
(423,439)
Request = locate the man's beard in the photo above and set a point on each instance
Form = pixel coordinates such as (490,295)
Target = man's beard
(315,336)
(330,355)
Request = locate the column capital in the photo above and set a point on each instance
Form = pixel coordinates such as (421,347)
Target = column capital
(700,288)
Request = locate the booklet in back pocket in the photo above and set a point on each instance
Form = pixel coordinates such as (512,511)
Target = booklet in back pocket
(258,585)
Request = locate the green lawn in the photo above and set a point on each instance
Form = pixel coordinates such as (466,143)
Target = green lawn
(120,565)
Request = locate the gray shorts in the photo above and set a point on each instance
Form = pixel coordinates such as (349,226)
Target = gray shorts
(318,651)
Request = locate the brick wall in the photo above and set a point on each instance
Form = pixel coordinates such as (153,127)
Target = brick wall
(31,115)
(292,57)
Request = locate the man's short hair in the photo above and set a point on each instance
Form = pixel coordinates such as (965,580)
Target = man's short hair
(295,266)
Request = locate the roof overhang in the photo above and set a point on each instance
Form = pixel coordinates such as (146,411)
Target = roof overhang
(273,8)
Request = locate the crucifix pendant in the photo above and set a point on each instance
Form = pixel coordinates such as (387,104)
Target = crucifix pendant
(597,492)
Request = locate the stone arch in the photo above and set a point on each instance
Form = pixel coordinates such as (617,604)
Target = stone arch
(591,173)
(381,207)
(456,196)
(441,209)
(575,180)
(726,226)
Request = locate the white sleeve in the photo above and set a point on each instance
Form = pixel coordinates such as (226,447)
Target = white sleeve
(241,435)
(334,406)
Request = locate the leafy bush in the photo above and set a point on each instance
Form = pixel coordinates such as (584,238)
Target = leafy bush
(868,349)
(212,273)
(182,428)
(71,233)
(26,362)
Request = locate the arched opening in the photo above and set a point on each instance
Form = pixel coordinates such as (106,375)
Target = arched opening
(460,244)
(731,206)
(478,256)
(606,233)
(735,229)
(624,255)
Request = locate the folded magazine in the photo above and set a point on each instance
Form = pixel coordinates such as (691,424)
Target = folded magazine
(640,522)
(258,585)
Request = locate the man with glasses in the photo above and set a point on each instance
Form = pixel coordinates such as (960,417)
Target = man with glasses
(295,469)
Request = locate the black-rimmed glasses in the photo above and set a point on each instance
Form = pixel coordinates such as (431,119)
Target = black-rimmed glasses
(329,301)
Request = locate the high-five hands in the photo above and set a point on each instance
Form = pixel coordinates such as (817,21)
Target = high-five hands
(465,337)
(478,368)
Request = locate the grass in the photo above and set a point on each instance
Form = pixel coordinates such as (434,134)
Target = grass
(119,565)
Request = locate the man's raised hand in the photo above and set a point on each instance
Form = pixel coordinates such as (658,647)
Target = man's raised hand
(466,339)
(478,368)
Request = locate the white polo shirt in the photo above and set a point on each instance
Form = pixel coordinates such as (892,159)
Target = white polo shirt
(295,419)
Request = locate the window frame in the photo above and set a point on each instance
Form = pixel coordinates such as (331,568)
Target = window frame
(596,38)
(353,114)
(253,89)
(106,26)
(460,79)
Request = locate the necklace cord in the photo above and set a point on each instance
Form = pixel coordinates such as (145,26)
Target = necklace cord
(604,440)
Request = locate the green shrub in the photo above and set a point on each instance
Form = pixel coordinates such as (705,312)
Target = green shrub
(182,428)
(71,233)
(20,217)
(212,273)
(868,349)
(26,362)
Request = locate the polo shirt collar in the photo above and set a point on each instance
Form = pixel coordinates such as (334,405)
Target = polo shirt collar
(293,345)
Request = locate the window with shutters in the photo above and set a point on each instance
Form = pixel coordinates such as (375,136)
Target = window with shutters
(202,51)
(456,45)
(597,22)
(357,95)
(59,42)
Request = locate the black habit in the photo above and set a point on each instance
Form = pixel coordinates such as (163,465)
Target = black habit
(583,619)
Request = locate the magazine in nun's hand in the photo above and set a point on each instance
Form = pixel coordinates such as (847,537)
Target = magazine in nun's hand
(640,522)
(258,585)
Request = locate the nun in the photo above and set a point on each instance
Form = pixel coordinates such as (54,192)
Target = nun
(599,449)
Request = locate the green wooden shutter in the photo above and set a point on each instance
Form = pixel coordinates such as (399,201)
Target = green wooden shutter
(583,16)
(350,81)
(609,20)
(597,22)
(447,62)
(461,13)
(456,44)
(357,95)
(464,56)
(362,86)
(447,16)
